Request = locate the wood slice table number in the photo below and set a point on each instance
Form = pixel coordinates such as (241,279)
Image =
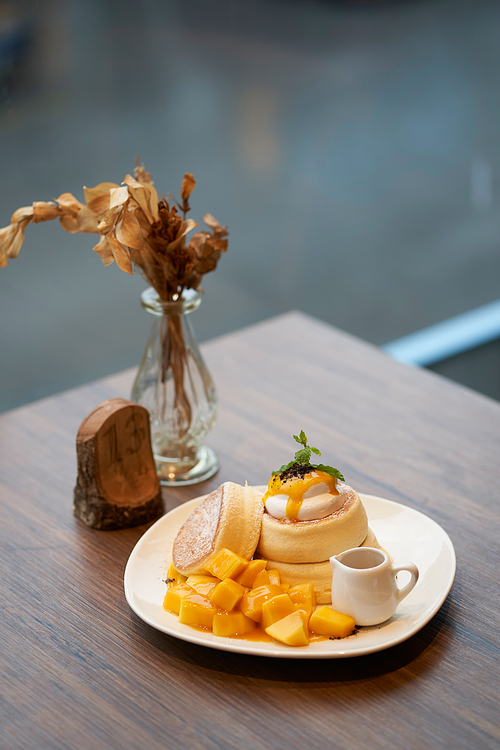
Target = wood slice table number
(117,485)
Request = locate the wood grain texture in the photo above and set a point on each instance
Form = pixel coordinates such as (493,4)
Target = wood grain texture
(80,670)
(117,485)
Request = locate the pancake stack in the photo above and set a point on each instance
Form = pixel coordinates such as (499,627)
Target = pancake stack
(234,517)
(301,550)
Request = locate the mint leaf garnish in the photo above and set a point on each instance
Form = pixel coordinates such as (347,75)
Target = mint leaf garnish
(284,468)
(330,470)
(303,458)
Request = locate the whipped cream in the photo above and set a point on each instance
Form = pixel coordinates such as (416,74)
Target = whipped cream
(317,502)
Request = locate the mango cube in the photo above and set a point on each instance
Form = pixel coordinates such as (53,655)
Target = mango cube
(227,594)
(174,596)
(303,596)
(247,577)
(274,577)
(261,579)
(291,630)
(225,564)
(231,624)
(196,610)
(202,584)
(174,577)
(285,586)
(276,609)
(251,604)
(326,621)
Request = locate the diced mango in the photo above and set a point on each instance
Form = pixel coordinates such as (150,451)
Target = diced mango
(174,596)
(247,577)
(326,621)
(303,597)
(202,584)
(276,609)
(287,612)
(196,610)
(291,630)
(227,594)
(231,624)
(174,577)
(226,564)
(193,580)
(274,577)
(251,604)
(261,579)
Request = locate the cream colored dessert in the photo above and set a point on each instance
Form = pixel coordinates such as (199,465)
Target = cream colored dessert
(310,515)
(230,517)
(317,539)
(307,515)
(297,496)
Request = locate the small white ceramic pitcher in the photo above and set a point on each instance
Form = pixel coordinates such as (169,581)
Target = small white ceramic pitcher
(364,584)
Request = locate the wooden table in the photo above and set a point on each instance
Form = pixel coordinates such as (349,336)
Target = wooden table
(79,670)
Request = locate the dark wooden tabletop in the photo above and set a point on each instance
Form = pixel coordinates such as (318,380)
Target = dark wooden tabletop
(80,670)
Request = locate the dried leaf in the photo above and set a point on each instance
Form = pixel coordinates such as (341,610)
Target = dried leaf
(103,250)
(109,220)
(144,223)
(132,182)
(69,203)
(211,222)
(188,185)
(18,238)
(118,196)
(186,227)
(145,196)
(45,211)
(21,213)
(129,232)
(140,172)
(98,191)
(69,224)
(219,244)
(198,240)
(153,201)
(207,252)
(121,254)
(98,205)
(7,235)
(87,220)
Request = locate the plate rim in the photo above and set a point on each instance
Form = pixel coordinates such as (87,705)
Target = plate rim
(240,646)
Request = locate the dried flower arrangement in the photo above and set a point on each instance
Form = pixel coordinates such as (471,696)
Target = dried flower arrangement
(138,230)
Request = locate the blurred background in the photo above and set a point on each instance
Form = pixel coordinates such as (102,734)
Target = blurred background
(352,148)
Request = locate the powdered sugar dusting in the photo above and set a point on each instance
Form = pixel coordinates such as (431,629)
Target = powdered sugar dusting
(195,539)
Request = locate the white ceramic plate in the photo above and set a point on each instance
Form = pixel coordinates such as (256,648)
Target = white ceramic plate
(406,534)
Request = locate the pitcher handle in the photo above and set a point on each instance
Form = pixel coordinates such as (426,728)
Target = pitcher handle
(413,571)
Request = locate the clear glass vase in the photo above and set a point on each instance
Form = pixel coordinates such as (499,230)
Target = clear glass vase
(175,386)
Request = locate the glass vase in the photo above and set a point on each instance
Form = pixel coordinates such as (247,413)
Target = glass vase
(175,386)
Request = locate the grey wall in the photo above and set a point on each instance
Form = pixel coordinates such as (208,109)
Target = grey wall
(352,149)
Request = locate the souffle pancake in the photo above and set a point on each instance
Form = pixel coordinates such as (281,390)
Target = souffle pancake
(307,515)
(310,514)
(230,517)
